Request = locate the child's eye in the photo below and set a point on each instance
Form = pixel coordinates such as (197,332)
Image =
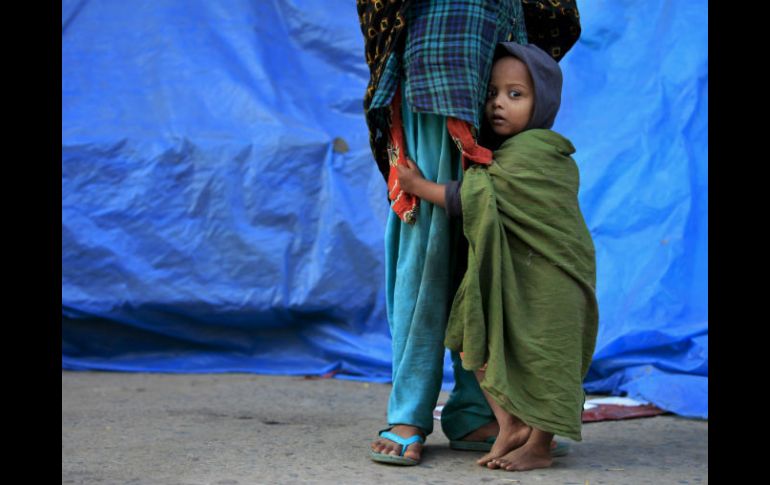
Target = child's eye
(514,94)
(490,94)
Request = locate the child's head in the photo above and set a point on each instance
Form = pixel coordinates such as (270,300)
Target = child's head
(524,89)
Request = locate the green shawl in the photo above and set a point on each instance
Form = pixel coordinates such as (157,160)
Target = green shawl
(526,305)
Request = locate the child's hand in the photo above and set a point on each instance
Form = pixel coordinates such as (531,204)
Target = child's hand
(409,177)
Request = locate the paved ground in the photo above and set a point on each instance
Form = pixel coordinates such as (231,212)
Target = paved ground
(128,428)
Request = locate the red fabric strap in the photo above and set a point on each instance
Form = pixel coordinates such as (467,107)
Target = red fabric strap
(405,205)
(466,143)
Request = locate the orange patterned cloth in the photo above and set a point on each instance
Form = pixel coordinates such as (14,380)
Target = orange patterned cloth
(466,143)
(405,205)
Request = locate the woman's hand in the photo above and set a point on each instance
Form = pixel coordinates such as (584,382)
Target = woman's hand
(409,177)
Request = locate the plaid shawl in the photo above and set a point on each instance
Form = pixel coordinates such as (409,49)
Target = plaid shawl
(446,56)
(445,51)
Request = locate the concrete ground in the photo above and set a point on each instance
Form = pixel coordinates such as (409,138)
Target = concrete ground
(129,428)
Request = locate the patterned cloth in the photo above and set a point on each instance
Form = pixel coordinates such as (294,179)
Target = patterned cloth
(445,54)
(445,61)
(406,205)
(443,49)
(382,23)
(552,25)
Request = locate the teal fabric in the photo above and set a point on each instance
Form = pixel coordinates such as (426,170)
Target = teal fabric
(420,266)
(467,409)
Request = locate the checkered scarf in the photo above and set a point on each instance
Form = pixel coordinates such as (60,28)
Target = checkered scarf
(445,50)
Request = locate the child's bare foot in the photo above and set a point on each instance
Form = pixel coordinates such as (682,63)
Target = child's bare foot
(535,453)
(387,447)
(512,435)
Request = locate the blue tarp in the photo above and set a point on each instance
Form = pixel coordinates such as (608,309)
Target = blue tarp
(221,211)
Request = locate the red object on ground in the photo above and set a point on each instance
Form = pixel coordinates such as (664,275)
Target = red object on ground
(601,412)
(610,412)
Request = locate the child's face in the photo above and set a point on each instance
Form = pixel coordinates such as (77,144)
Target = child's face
(511,97)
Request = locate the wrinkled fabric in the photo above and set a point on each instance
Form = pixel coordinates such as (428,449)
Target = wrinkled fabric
(420,280)
(404,204)
(526,306)
(446,55)
(180,119)
(547,83)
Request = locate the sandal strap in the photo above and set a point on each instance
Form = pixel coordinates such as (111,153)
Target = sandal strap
(404,442)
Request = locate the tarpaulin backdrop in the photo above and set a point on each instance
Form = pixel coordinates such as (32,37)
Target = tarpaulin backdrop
(221,210)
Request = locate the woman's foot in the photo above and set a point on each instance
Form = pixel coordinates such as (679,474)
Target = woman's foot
(535,453)
(483,433)
(512,435)
(387,447)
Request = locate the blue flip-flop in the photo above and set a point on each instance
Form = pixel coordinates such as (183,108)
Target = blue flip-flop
(404,442)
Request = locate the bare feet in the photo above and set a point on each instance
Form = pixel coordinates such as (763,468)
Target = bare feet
(535,453)
(513,431)
(387,447)
(511,436)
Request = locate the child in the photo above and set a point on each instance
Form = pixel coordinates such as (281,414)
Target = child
(525,315)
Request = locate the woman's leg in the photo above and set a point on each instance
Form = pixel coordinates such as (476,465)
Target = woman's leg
(419,286)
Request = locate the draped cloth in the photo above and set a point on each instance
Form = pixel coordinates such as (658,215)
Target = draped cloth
(526,306)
